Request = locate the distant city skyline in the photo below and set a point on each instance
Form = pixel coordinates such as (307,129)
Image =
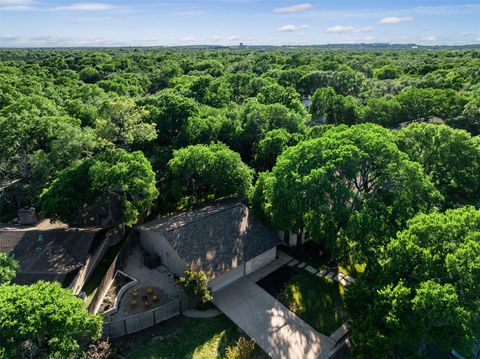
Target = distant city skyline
(38,23)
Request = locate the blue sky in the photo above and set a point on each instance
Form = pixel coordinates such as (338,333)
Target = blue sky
(227,22)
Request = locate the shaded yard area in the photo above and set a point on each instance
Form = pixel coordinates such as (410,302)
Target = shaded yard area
(318,301)
(196,338)
(313,254)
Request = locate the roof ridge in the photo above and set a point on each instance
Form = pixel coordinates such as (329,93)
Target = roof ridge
(204,216)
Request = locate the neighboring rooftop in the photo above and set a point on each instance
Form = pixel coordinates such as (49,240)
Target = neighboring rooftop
(47,254)
(215,238)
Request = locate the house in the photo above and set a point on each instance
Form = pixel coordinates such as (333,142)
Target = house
(222,239)
(65,255)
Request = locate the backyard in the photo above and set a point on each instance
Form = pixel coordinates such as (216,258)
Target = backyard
(197,338)
(317,300)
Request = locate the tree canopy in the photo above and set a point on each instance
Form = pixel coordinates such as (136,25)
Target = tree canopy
(450,157)
(200,171)
(351,189)
(426,290)
(126,177)
(43,319)
(8,268)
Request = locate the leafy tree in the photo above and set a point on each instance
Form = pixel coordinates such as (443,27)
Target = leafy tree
(382,111)
(423,103)
(388,72)
(195,284)
(113,174)
(350,189)
(200,171)
(424,290)
(450,157)
(258,119)
(44,319)
(277,94)
(90,75)
(272,146)
(169,111)
(122,123)
(8,268)
(346,82)
(328,107)
(469,119)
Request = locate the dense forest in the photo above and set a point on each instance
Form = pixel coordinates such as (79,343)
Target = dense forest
(374,154)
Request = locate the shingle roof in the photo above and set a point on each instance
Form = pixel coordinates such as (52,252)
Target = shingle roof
(215,238)
(47,254)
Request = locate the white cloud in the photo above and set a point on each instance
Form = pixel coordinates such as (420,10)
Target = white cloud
(396,20)
(429,38)
(87,6)
(233,38)
(339,29)
(291,28)
(364,29)
(294,8)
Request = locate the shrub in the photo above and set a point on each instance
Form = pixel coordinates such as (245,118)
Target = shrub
(243,349)
(195,283)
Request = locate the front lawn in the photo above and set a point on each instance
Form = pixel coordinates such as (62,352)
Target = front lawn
(318,301)
(205,338)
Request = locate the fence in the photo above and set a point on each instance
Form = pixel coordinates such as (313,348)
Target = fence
(137,322)
(106,282)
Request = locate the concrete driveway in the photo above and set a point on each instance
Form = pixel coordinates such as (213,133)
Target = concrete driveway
(279,332)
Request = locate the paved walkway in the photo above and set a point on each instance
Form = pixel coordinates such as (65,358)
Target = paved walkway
(282,259)
(278,331)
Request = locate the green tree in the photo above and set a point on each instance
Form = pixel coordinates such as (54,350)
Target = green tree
(270,147)
(382,111)
(351,189)
(469,119)
(450,157)
(113,174)
(44,320)
(258,119)
(123,124)
(201,171)
(388,72)
(423,103)
(169,111)
(328,107)
(8,268)
(424,290)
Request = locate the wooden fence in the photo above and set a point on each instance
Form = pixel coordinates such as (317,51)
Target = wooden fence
(137,322)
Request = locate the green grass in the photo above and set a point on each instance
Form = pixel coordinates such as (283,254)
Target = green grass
(318,301)
(205,338)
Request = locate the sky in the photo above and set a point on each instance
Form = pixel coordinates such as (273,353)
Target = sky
(44,23)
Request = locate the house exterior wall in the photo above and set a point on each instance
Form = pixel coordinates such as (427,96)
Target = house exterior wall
(227,278)
(155,243)
(261,260)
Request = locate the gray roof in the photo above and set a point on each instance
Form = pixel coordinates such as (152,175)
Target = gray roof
(215,238)
(48,255)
